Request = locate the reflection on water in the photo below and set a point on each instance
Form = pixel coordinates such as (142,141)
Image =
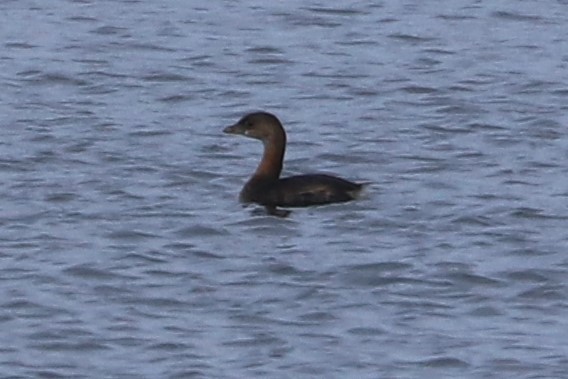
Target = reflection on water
(126,254)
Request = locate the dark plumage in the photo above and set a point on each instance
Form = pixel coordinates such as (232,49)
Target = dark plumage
(265,186)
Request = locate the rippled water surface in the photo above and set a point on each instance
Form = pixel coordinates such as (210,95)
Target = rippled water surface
(125,254)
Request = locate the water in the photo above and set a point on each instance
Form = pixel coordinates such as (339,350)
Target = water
(124,252)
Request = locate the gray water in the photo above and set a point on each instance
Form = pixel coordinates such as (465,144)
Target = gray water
(125,254)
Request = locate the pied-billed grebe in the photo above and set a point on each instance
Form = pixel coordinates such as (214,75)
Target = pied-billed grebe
(267,189)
